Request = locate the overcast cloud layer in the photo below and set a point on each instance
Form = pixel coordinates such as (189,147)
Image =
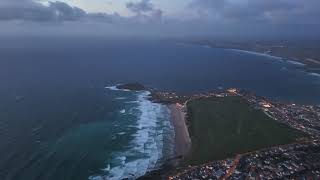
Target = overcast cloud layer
(199,17)
(267,11)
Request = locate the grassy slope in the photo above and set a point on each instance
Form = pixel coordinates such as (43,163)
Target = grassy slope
(223,127)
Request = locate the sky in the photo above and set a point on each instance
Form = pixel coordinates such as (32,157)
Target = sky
(161,17)
(169,6)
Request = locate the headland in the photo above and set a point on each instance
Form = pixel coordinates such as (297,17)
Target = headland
(132,87)
(234,133)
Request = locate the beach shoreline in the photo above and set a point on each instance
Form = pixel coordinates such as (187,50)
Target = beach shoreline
(182,138)
(182,144)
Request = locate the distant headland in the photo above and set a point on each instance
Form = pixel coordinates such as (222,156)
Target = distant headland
(300,53)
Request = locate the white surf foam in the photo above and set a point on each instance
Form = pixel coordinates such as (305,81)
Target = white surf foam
(257,54)
(121,133)
(296,63)
(122,111)
(145,149)
(314,74)
(130,102)
(121,98)
(114,88)
(107,168)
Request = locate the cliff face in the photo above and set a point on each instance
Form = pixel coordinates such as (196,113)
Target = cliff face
(132,87)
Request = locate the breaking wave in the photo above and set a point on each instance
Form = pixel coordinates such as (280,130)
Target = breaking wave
(145,150)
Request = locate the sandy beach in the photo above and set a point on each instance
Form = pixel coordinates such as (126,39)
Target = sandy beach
(182,138)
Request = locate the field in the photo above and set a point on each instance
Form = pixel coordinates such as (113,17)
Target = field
(224,127)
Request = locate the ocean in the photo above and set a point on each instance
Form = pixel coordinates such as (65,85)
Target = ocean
(62,118)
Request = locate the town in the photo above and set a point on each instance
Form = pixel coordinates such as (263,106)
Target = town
(298,160)
(294,161)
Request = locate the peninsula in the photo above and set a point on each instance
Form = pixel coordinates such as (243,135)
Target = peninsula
(234,133)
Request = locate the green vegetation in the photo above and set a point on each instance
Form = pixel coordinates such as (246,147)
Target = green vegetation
(224,127)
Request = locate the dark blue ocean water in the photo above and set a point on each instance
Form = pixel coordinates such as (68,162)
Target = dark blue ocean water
(58,121)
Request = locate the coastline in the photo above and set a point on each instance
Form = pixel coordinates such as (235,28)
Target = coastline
(259,54)
(182,138)
(298,62)
(182,141)
(182,144)
(310,63)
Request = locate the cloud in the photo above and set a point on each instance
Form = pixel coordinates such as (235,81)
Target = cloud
(250,11)
(144,10)
(140,7)
(30,10)
(200,18)
(34,11)
(33,17)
